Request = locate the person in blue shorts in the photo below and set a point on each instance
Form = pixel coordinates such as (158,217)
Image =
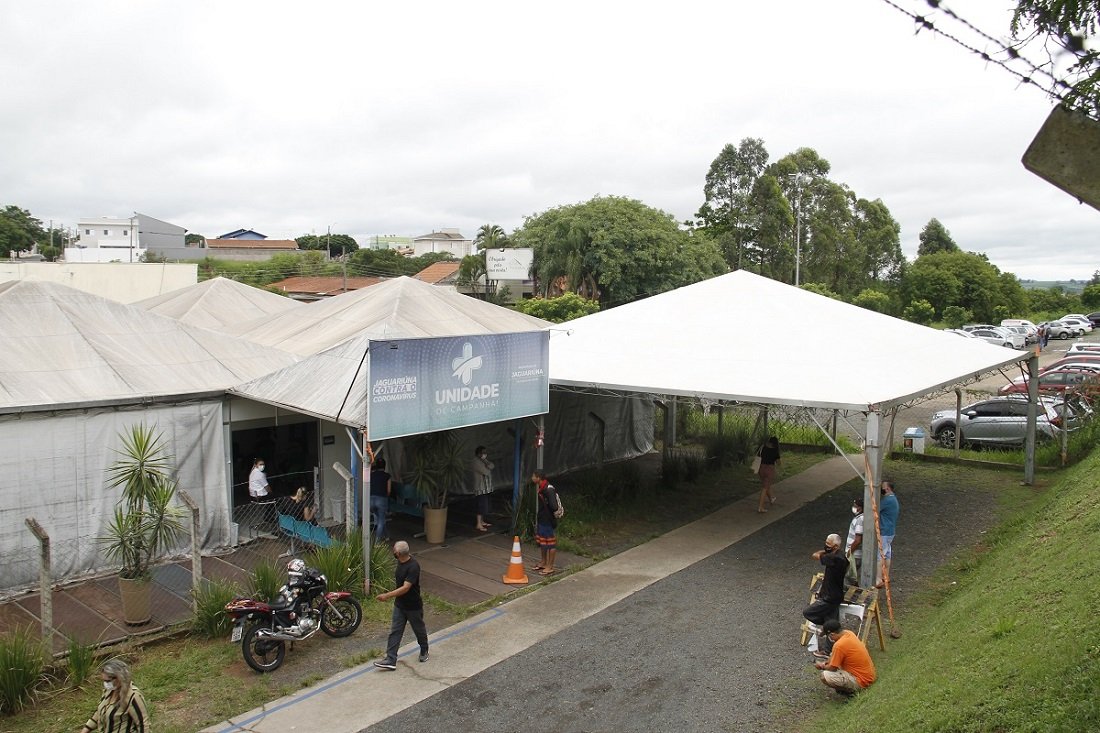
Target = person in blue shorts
(887,523)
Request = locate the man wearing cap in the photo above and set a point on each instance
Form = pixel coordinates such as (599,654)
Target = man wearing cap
(830,597)
(849,668)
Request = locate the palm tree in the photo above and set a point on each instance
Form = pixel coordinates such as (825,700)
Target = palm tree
(490,236)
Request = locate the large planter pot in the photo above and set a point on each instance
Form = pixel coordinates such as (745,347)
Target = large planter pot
(435,525)
(136,600)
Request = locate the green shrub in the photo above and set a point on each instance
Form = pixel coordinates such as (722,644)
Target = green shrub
(265,580)
(211,621)
(80,660)
(671,469)
(342,564)
(22,661)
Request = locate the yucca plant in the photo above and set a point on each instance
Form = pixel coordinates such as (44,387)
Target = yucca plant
(146,520)
(265,580)
(81,661)
(438,465)
(211,620)
(22,661)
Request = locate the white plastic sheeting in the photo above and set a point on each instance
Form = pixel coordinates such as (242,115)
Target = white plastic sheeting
(398,308)
(743,337)
(60,346)
(53,468)
(218,304)
(332,384)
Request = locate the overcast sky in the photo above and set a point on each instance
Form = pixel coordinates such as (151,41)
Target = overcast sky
(402,118)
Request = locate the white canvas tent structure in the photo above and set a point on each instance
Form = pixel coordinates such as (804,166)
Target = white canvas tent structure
(330,381)
(76,370)
(218,304)
(743,338)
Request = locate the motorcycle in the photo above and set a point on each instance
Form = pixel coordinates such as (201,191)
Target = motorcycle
(302,606)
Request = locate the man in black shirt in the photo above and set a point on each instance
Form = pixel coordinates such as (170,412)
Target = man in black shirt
(407,606)
(831,596)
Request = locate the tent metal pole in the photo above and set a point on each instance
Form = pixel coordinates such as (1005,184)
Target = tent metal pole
(1033,417)
(366,515)
(958,420)
(517,457)
(835,444)
(871,540)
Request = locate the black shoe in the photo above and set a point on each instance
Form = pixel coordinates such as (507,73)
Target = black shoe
(386,664)
(424,656)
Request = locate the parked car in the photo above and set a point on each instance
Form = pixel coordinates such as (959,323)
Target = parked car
(1057,380)
(996,421)
(1059,330)
(1018,322)
(1080,321)
(997,338)
(960,332)
(1094,319)
(1083,358)
(1025,334)
(1084,347)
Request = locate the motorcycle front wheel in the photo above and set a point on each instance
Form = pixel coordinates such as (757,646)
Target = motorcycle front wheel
(262,654)
(341,617)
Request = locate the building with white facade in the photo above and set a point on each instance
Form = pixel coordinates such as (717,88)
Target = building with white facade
(110,239)
(444,240)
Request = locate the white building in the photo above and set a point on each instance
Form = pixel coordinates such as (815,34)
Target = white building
(444,240)
(110,239)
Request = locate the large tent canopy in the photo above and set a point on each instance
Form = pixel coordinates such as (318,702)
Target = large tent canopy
(218,304)
(330,382)
(62,347)
(745,338)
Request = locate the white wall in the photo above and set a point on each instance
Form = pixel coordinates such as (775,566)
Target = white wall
(124,282)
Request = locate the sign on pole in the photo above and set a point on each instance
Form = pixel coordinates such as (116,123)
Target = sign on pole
(509,264)
(424,385)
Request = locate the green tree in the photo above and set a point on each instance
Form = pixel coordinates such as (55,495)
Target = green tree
(192,238)
(335,244)
(471,273)
(563,308)
(874,300)
(1069,25)
(614,250)
(18,230)
(956,316)
(935,238)
(490,236)
(725,212)
(879,237)
(1090,296)
(821,289)
(920,311)
(767,245)
(961,278)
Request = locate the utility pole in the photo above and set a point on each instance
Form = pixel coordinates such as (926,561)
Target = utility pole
(798,227)
(328,244)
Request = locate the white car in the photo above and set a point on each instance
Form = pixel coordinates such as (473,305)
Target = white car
(1083,347)
(1084,324)
(964,334)
(997,338)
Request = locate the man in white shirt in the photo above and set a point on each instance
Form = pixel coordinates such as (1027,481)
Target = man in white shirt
(854,544)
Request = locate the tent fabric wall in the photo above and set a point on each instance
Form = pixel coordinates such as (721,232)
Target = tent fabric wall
(53,468)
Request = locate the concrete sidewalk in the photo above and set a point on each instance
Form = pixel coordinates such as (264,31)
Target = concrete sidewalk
(358,698)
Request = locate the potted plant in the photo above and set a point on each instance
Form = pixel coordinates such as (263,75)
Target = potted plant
(146,521)
(437,466)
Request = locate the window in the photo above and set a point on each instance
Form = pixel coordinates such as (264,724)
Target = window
(88,232)
(106,232)
(125,232)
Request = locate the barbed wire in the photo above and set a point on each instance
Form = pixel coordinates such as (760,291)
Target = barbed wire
(1057,87)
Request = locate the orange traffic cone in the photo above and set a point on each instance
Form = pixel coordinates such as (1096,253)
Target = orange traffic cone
(515,574)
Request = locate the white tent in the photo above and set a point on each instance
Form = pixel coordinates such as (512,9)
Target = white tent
(75,371)
(744,338)
(218,304)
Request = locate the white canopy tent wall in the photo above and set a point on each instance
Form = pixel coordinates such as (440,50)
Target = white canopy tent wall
(713,342)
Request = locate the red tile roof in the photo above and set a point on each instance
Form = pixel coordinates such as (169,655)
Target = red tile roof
(437,273)
(281,244)
(323,285)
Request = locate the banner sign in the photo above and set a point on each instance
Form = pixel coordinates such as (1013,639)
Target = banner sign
(424,385)
(509,263)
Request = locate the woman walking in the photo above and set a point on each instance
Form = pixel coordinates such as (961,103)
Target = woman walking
(769,461)
(122,707)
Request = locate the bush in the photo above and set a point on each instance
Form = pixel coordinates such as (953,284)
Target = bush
(22,661)
(211,621)
(955,316)
(81,661)
(342,564)
(919,311)
(265,580)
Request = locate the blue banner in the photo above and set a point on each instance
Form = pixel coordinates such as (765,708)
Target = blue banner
(424,385)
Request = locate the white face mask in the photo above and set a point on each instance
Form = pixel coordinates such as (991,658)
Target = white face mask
(260,466)
(108,686)
(855,510)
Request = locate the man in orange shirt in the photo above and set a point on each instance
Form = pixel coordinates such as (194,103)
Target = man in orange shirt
(850,668)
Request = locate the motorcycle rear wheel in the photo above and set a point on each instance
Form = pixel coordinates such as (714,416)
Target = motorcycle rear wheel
(262,654)
(344,623)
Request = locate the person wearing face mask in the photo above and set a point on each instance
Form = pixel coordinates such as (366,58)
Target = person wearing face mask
(260,493)
(408,607)
(853,547)
(830,597)
(888,508)
(122,708)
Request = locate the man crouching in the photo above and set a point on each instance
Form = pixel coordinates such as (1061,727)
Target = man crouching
(849,668)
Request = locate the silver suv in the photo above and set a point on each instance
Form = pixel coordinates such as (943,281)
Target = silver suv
(996,421)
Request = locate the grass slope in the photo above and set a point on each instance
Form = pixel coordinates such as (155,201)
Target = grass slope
(1009,640)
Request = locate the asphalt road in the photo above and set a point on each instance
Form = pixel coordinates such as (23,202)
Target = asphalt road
(711,648)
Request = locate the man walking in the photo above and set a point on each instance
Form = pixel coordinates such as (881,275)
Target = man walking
(408,607)
(887,524)
(849,668)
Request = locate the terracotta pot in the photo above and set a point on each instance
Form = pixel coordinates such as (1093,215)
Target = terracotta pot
(136,600)
(435,525)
